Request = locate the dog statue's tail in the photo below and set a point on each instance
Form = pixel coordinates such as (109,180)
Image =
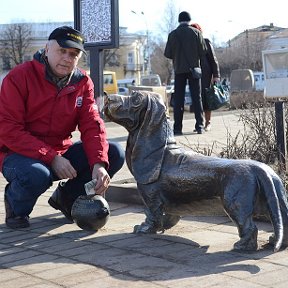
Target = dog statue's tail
(283,201)
(274,195)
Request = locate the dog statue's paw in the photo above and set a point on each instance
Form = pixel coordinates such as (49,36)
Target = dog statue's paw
(170,220)
(248,241)
(145,228)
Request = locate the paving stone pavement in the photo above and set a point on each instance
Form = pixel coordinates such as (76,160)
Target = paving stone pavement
(197,252)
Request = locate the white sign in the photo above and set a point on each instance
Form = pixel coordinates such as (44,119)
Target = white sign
(275,66)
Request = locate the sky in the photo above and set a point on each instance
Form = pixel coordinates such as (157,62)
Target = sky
(220,20)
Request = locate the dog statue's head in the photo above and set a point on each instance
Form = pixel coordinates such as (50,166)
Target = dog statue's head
(126,111)
(143,114)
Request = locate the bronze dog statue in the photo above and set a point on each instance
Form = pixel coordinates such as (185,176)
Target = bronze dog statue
(169,178)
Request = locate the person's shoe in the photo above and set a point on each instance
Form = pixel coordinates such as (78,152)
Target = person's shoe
(200,131)
(208,127)
(58,202)
(12,221)
(177,133)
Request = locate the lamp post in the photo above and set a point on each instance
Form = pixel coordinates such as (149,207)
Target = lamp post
(147,48)
(138,61)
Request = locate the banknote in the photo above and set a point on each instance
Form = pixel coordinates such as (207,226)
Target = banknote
(89,187)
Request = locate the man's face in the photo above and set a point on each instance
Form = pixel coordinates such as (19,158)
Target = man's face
(62,61)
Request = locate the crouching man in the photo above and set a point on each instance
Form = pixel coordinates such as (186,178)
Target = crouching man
(41,103)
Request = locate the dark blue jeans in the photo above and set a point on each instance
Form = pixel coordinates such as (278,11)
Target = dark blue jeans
(178,108)
(29,178)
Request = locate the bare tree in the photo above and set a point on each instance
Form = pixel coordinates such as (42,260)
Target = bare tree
(111,58)
(169,22)
(15,43)
(170,18)
(244,53)
(159,64)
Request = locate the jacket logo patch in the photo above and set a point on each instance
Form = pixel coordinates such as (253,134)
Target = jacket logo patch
(79,101)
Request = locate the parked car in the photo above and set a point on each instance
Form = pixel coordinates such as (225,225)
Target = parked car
(188,99)
(169,89)
(109,82)
(150,80)
(123,91)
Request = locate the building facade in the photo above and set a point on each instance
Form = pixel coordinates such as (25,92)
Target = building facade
(127,60)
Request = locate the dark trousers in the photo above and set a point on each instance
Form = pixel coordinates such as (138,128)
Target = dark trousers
(179,97)
(29,178)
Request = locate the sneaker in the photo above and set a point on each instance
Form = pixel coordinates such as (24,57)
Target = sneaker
(208,127)
(12,221)
(200,131)
(59,202)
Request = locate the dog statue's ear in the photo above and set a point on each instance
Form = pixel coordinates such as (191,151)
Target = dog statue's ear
(148,151)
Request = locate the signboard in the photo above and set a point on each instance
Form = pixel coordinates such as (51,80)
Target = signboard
(98,20)
(275,66)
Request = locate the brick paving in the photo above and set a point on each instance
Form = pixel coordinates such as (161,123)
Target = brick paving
(197,252)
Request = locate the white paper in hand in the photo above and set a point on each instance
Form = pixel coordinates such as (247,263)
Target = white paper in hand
(89,187)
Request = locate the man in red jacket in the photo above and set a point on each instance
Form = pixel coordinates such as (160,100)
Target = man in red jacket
(41,103)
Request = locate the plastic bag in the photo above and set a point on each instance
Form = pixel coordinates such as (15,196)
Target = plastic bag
(216,96)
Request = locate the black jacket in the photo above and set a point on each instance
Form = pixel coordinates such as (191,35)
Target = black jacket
(185,46)
(209,65)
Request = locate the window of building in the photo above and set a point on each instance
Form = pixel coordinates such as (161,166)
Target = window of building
(6,65)
(130,58)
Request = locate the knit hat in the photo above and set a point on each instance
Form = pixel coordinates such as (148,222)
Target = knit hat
(67,37)
(184,17)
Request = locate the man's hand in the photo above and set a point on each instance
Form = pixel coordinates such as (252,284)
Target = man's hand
(63,168)
(102,178)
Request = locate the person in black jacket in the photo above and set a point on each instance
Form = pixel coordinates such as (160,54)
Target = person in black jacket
(210,74)
(186,46)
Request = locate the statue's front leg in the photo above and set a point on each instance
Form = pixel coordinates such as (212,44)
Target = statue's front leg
(153,210)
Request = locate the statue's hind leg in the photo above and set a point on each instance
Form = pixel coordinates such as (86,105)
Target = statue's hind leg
(247,230)
(238,202)
(248,236)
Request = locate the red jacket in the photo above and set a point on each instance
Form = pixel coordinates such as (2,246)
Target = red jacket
(36,119)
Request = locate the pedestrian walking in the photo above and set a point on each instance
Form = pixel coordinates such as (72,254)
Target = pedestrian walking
(210,74)
(186,46)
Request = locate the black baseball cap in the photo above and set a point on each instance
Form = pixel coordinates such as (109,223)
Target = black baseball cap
(67,37)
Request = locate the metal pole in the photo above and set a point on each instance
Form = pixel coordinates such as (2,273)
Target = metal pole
(281,135)
(96,74)
(147,46)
